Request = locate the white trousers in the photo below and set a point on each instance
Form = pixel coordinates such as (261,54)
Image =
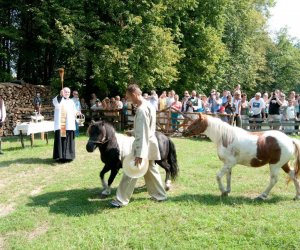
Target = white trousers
(153,183)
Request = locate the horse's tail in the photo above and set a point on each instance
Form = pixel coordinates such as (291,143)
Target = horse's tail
(297,157)
(172,160)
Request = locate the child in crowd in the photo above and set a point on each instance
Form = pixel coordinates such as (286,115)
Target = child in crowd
(223,115)
(290,116)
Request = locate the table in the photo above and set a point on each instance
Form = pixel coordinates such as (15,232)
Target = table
(31,128)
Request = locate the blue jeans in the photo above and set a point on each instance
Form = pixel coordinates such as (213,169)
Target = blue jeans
(77,129)
(174,121)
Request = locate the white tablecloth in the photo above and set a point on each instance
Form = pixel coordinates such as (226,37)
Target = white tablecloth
(28,128)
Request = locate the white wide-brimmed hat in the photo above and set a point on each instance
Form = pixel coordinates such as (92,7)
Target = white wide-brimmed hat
(133,171)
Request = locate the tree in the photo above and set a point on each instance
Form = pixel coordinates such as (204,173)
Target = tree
(284,62)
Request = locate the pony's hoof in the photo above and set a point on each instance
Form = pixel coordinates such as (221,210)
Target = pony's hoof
(103,196)
(260,198)
(225,194)
(296,198)
(168,185)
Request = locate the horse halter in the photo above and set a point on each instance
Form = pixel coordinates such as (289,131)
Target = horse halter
(196,127)
(99,142)
(103,141)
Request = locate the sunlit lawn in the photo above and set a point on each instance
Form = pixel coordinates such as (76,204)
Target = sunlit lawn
(45,205)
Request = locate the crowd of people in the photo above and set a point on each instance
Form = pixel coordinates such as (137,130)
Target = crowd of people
(234,107)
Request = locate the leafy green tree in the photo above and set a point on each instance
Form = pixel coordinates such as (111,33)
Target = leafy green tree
(9,34)
(246,42)
(163,44)
(284,62)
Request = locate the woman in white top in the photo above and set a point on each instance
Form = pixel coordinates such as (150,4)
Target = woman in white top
(237,109)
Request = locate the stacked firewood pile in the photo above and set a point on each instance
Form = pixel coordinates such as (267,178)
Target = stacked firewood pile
(18,99)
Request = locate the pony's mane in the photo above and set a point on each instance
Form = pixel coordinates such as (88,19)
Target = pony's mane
(223,132)
(110,131)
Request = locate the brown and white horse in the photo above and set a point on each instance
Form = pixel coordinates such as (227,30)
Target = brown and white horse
(238,146)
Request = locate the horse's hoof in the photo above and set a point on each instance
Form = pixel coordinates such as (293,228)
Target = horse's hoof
(167,188)
(103,196)
(260,198)
(225,194)
(296,198)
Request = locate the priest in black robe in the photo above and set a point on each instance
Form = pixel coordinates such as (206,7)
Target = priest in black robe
(64,126)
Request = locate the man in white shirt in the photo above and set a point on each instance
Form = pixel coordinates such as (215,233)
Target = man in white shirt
(170,98)
(154,99)
(2,119)
(257,107)
(145,146)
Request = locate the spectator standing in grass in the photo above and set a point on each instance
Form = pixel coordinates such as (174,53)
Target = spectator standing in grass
(196,101)
(216,103)
(76,101)
(290,117)
(224,96)
(93,99)
(154,99)
(266,100)
(162,105)
(257,107)
(244,108)
(229,109)
(274,103)
(83,104)
(237,109)
(176,106)
(184,101)
(170,98)
(2,119)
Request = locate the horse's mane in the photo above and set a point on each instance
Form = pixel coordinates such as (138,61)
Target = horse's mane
(109,129)
(223,132)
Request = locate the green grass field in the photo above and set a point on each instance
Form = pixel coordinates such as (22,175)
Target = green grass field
(45,205)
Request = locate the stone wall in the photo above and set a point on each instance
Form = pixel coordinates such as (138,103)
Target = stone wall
(18,99)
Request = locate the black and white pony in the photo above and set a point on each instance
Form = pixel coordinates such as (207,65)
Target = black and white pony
(114,147)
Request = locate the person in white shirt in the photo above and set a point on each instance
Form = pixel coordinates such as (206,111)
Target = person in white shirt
(170,98)
(145,146)
(257,107)
(76,101)
(237,109)
(290,117)
(119,103)
(154,99)
(2,119)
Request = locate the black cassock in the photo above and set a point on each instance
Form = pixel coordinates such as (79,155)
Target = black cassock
(64,147)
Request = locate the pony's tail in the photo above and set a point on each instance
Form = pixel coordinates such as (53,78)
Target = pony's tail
(297,157)
(172,160)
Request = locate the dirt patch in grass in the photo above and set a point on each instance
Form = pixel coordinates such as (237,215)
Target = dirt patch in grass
(6,209)
(2,243)
(36,191)
(42,229)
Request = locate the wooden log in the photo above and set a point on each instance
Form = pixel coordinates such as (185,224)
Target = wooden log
(18,100)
